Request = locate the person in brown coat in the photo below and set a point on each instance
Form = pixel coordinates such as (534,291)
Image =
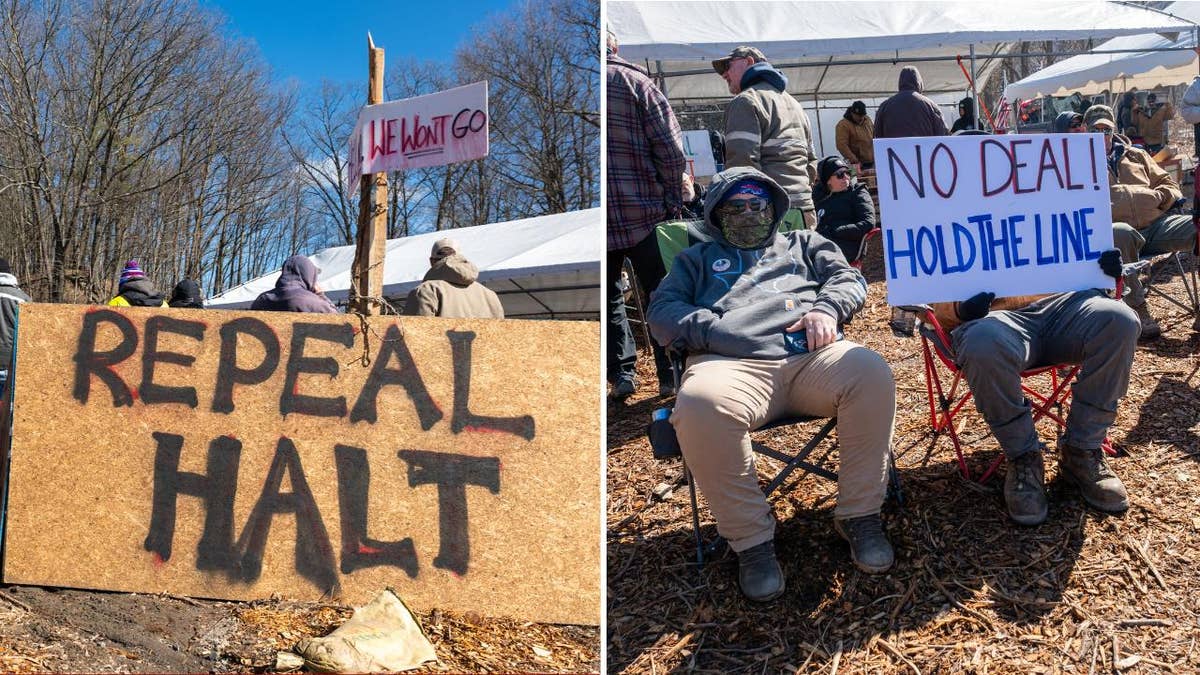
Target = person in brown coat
(450,288)
(1151,122)
(854,134)
(1142,196)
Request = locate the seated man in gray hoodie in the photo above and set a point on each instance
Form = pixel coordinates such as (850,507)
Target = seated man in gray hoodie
(759,314)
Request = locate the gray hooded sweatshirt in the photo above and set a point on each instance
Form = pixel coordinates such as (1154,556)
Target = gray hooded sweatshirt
(720,299)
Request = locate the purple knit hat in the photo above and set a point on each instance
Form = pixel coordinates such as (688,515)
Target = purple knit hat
(132,272)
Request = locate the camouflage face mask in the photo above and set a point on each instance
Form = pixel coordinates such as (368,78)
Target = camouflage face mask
(748,229)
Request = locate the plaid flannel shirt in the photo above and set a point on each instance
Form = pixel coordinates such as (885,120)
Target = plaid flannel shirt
(645,156)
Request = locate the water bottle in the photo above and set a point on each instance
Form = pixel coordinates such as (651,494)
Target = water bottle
(903,322)
(663,440)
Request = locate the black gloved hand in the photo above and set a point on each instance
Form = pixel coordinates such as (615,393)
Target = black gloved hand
(976,307)
(1110,263)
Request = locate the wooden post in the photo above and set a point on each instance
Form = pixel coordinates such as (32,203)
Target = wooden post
(366,274)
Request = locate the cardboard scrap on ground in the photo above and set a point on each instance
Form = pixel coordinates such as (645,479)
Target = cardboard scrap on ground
(381,637)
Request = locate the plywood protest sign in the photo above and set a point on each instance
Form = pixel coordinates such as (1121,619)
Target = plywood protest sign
(1014,215)
(237,454)
(442,128)
(697,150)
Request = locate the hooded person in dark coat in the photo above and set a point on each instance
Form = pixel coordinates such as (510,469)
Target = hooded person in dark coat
(296,290)
(187,294)
(909,112)
(845,213)
(966,115)
(1069,122)
(135,290)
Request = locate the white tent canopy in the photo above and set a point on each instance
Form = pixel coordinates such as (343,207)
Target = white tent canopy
(679,38)
(1142,62)
(544,267)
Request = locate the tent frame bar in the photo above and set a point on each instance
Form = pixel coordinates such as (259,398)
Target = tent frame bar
(919,59)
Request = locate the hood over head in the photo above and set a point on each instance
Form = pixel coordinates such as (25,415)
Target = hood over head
(1062,123)
(295,290)
(186,294)
(764,72)
(454,269)
(968,104)
(910,79)
(299,271)
(141,292)
(723,183)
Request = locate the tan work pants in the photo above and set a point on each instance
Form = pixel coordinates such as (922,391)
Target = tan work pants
(721,399)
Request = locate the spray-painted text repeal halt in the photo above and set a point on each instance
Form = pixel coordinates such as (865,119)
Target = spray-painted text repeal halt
(238,454)
(1014,215)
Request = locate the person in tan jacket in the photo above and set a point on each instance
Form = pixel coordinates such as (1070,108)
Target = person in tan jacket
(1151,122)
(450,288)
(1142,194)
(854,135)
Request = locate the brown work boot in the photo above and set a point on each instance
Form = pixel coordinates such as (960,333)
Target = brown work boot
(1025,489)
(1088,470)
(1150,328)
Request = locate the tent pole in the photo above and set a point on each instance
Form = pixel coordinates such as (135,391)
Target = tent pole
(817,112)
(974,92)
(817,106)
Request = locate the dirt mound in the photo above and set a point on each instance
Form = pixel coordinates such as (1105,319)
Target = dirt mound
(65,630)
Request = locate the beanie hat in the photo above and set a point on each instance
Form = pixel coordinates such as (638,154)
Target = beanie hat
(858,107)
(132,272)
(829,166)
(5,268)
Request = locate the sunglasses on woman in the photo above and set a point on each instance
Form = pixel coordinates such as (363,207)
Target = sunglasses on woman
(842,173)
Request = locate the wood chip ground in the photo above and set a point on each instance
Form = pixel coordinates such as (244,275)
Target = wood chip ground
(970,592)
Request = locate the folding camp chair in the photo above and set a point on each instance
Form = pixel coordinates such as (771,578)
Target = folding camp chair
(673,237)
(863,248)
(1155,263)
(638,306)
(945,402)
(1190,302)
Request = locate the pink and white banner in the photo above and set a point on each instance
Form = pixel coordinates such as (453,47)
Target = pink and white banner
(444,128)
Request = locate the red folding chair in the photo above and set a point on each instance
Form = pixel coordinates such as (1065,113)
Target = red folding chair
(862,248)
(945,402)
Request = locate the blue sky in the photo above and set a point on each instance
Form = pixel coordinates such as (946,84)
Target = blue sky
(309,40)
